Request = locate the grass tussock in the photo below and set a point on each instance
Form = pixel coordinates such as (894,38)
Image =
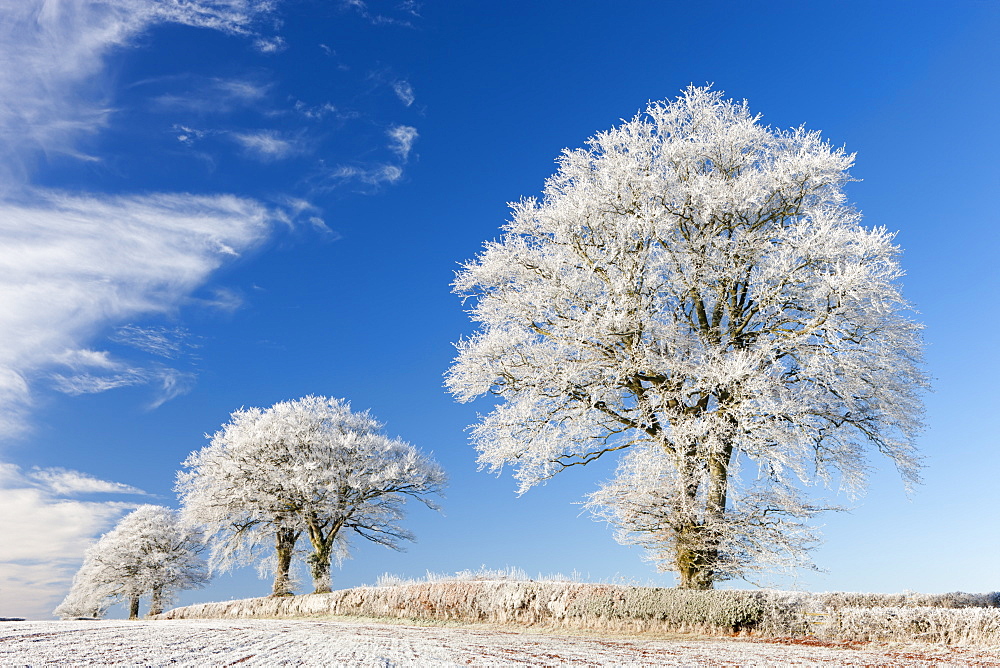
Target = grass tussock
(957,618)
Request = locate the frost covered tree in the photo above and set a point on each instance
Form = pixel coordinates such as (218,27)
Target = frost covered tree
(148,553)
(86,597)
(349,478)
(694,288)
(230,490)
(322,469)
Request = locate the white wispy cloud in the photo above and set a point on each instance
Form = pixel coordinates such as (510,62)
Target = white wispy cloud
(61,482)
(222,299)
(401,142)
(86,371)
(270,45)
(53,55)
(266,145)
(410,7)
(315,112)
(404,91)
(85,359)
(73,265)
(89,383)
(320,227)
(45,533)
(188,135)
(91,371)
(369,175)
(167,383)
(168,342)
(171,383)
(305,211)
(402,137)
(378,18)
(206,95)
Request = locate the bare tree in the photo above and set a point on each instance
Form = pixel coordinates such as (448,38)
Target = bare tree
(693,288)
(149,552)
(324,470)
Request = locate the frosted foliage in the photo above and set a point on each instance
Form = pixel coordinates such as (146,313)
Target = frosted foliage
(230,490)
(148,553)
(695,282)
(312,467)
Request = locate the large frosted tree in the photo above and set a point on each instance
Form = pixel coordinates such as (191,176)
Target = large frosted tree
(310,466)
(694,289)
(148,553)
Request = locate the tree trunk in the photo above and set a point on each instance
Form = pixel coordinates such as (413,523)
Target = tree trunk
(698,536)
(156,602)
(319,560)
(284,540)
(319,564)
(694,575)
(321,535)
(133,607)
(695,559)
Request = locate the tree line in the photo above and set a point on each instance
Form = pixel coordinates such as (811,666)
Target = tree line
(692,296)
(310,468)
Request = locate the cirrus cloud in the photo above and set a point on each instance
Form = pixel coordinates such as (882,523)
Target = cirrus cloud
(402,137)
(266,145)
(74,264)
(53,55)
(404,91)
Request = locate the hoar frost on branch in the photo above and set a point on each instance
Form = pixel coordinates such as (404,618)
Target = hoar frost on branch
(149,552)
(694,287)
(308,467)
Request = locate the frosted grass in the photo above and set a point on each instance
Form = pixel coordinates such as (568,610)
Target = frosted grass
(944,619)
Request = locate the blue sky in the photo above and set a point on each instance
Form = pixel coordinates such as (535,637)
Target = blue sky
(227,203)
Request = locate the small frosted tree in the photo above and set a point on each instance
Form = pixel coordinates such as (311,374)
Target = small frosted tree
(324,470)
(349,478)
(693,289)
(87,597)
(148,553)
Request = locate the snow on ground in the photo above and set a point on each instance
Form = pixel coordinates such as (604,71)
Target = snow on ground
(261,642)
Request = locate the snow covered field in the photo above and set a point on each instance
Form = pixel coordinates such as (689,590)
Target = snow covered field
(259,642)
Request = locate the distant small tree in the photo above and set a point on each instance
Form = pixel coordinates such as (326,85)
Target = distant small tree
(312,466)
(149,552)
(87,597)
(694,289)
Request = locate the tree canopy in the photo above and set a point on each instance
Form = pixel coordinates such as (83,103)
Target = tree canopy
(230,489)
(694,288)
(149,552)
(309,466)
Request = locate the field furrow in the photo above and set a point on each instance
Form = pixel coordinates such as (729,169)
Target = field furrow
(259,642)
